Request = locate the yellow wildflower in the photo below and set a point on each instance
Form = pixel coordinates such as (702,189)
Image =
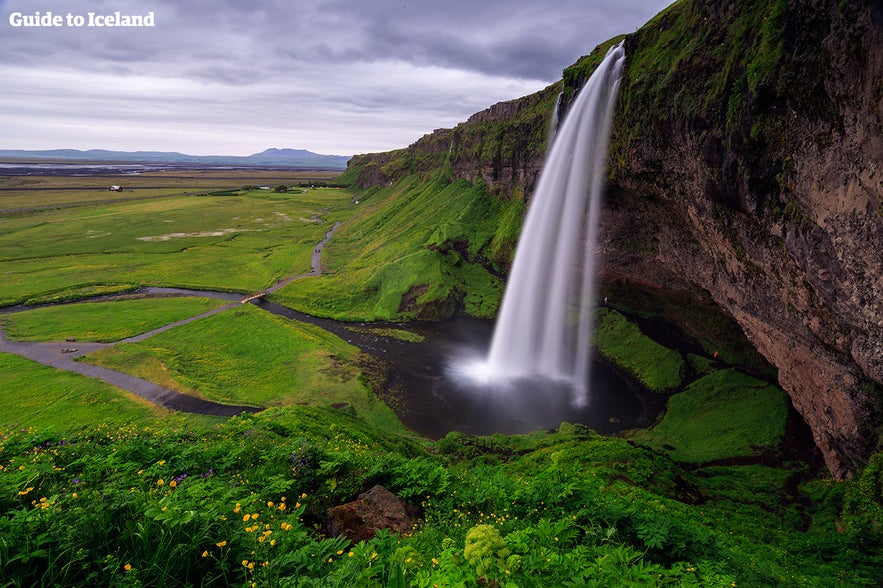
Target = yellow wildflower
(221,543)
(245,517)
(238,508)
(205,553)
(160,482)
(128,567)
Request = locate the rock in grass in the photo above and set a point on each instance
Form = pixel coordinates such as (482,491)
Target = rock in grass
(373,510)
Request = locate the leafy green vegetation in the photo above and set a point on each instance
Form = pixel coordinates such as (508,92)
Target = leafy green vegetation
(102,321)
(622,342)
(244,502)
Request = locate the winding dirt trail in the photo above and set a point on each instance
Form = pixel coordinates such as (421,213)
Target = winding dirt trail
(62,355)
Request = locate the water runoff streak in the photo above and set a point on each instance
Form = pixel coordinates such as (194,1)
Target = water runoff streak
(544,328)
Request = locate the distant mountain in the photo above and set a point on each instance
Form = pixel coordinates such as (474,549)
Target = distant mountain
(295,158)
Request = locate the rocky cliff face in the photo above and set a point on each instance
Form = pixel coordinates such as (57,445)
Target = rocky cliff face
(753,153)
(746,162)
(502,146)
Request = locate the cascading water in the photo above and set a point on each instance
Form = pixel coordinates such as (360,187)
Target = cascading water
(545,323)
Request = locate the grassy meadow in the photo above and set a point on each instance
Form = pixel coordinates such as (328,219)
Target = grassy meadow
(103,321)
(242,241)
(40,397)
(246,356)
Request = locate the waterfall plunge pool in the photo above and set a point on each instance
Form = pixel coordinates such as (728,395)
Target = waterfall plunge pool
(431,396)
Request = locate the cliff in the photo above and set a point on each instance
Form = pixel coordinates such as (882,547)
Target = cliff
(501,146)
(744,166)
(748,147)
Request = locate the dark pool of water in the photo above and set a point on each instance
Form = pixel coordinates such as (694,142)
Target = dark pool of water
(429,396)
(443,400)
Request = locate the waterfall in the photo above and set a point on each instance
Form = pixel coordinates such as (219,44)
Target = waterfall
(545,322)
(553,124)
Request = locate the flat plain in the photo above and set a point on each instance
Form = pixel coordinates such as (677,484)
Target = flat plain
(199,231)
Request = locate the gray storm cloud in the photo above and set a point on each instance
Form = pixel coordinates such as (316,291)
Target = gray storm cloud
(333,76)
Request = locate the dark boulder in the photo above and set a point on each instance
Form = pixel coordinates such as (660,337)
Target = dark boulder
(373,510)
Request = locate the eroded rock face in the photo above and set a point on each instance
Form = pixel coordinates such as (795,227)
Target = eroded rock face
(374,510)
(777,211)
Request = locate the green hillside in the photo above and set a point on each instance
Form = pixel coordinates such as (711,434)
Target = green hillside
(418,249)
(244,502)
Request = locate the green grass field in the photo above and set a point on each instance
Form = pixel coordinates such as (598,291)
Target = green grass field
(102,321)
(192,241)
(34,395)
(248,356)
(24,193)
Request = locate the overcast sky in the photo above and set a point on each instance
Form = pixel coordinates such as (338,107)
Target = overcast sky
(234,77)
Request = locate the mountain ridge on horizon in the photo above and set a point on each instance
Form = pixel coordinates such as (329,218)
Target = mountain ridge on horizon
(272,156)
